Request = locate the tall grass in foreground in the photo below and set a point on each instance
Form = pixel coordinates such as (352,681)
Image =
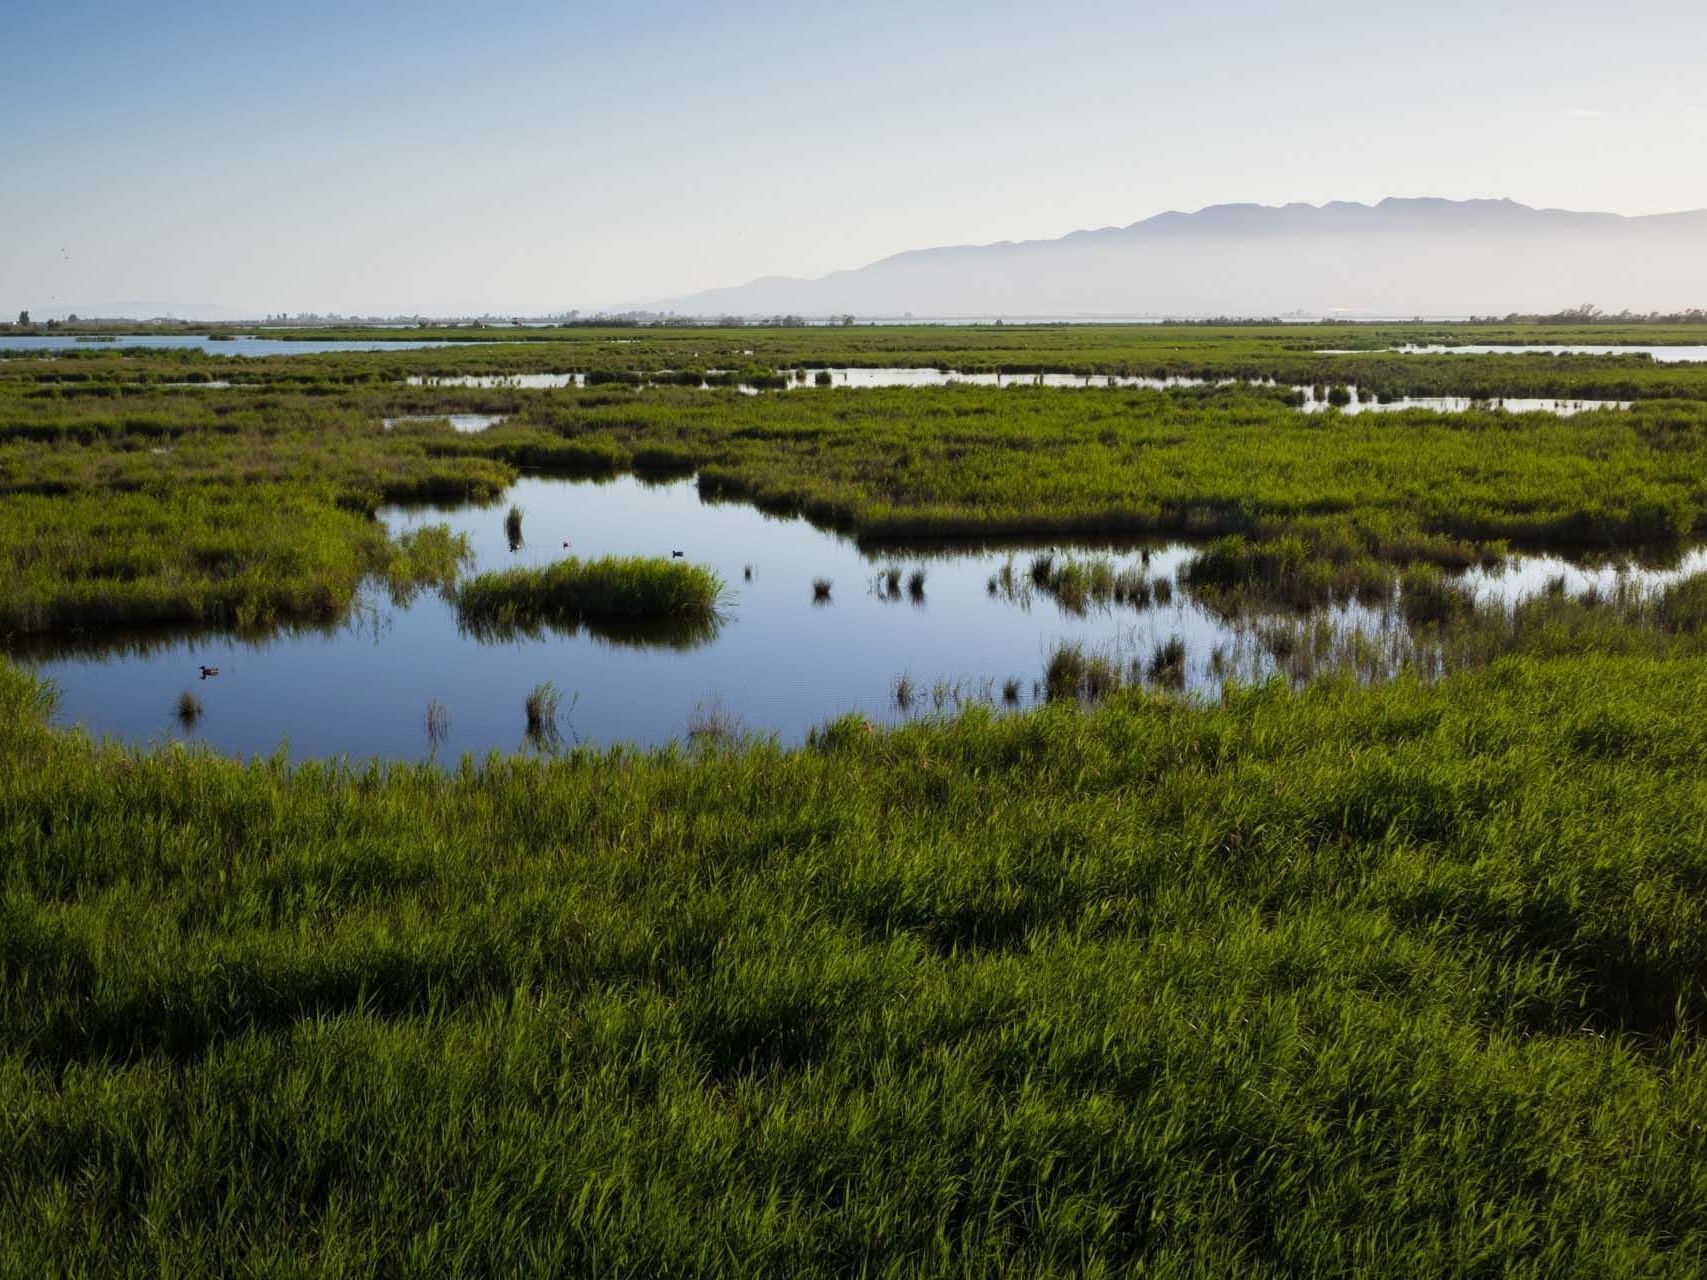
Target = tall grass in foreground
(1381,981)
(573,590)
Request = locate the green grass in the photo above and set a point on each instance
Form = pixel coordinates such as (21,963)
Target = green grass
(1373,981)
(141,505)
(572,591)
(1368,977)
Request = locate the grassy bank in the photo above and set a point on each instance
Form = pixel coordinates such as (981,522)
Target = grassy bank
(1404,980)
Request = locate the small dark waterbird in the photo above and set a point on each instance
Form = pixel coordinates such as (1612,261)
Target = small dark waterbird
(677,555)
(209,671)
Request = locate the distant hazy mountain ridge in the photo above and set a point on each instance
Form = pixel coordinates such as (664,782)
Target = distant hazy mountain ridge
(1397,258)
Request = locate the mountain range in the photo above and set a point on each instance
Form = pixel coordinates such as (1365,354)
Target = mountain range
(1399,257)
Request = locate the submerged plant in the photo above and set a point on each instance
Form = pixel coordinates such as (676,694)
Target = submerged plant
(438,722)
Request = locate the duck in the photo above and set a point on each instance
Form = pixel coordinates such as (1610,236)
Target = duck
(209,671)
(677,555)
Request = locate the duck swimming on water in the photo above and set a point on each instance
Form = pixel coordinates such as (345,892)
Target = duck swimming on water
(209,671)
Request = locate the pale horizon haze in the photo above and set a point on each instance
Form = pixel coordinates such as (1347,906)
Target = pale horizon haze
(528,158)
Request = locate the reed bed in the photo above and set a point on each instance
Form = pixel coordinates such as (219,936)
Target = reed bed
(575,590)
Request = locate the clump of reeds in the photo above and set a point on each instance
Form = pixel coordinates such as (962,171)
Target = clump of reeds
(1010,691)
(841,734)
(513,527)
(916,586)
(1167,662)
(542,705)
(747,572)
(904,691)
(891,582)
(822,378)
(438,722)
(189,709)
(1076,672)
(1426,597)
(615,587)
(714,725)
(821,590)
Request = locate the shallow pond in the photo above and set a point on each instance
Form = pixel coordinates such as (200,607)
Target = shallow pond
(467,423)
(1660,355)
(1312,402)
(242,346)
(778,662)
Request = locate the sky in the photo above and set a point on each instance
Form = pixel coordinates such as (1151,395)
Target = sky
(371,157)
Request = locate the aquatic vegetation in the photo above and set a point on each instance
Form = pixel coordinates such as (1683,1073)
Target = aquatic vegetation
(188,709)
(821,590)
(1426,596)
(437,722)
(542,705)
(573,590)
(714,725)
(1075,673)
(1167,662)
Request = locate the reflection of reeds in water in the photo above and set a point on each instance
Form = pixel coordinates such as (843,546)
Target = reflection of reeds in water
(887,584)
(438,722)
(680,633)
(1076,584)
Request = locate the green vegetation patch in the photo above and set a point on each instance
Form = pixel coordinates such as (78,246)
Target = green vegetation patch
(1402,980)
(574,590)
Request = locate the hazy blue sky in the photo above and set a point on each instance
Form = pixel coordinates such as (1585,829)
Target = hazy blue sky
(525,156)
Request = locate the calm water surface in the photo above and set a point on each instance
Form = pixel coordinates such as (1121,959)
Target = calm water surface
(778,663)
(1660,355)
(900,377)
(243,346)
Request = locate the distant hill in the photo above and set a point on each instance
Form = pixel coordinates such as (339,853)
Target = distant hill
(1400,257)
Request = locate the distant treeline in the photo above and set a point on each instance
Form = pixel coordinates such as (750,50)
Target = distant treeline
(1590,314)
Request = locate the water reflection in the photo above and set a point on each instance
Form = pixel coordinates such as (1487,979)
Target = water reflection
(1658,354)
(778,662)
(1311,399)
